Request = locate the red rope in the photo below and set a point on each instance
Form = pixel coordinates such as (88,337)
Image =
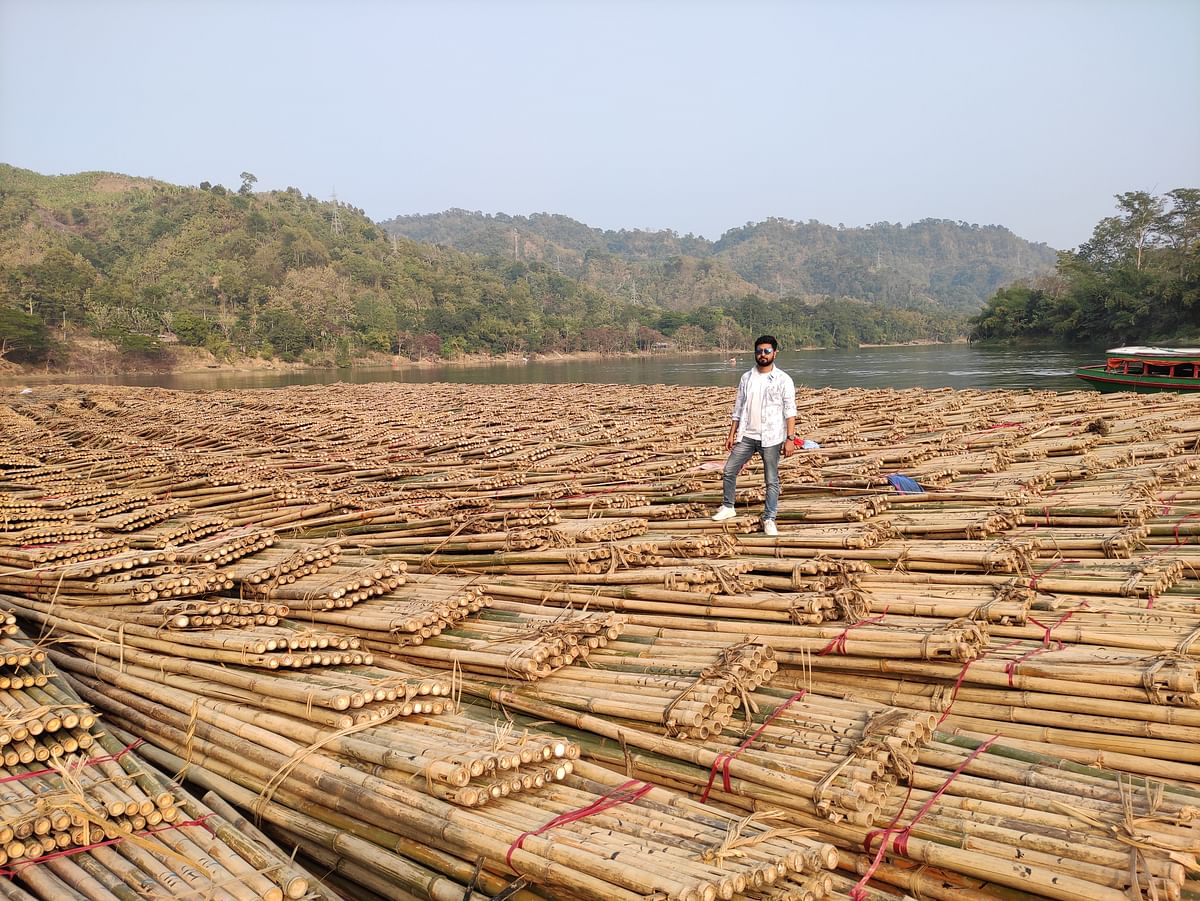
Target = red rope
(1180,522)
(1033,580)
(1046,630)
(838,644)
(624,793)
(91,761)
(901,836)
(67,852)
(725,758)
(1011,666)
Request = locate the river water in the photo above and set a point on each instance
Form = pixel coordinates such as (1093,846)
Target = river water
(931,366)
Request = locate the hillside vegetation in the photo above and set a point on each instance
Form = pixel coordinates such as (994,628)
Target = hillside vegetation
(945,264)
(276,273)
(104,271)
(1137,280)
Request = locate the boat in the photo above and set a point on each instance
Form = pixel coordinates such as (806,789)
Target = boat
(1145,370)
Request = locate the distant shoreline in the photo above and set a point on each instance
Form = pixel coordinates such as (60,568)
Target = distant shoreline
(195,360)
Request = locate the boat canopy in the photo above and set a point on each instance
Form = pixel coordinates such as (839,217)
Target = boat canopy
(1154,352)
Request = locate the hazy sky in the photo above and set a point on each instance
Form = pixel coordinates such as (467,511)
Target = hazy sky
(696,116)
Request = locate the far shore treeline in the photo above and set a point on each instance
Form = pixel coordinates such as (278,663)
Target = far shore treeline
(100,271)
(1137,280)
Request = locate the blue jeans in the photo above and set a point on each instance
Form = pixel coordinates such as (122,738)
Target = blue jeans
(738,457)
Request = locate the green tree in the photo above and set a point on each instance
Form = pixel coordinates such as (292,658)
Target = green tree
(23,338)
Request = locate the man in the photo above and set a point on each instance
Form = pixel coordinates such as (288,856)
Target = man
(764,423)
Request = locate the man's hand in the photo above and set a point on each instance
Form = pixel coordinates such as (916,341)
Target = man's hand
(729,442)
(788,447)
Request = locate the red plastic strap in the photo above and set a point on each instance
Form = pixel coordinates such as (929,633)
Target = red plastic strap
(1033,580)
(91,761)
(67,852)
(725,758)
(1001,425)
(1011,666)
(1168,504)
(838,644)
(1181,521)
(900,841)
(624,793)
(1046,630)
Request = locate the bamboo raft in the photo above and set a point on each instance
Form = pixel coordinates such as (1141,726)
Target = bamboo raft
(1055,545)
(87,818)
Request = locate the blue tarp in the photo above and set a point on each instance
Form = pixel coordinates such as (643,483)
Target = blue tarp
(904,485)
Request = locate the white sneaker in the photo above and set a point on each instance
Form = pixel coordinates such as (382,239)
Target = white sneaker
(724,513)
(769,528)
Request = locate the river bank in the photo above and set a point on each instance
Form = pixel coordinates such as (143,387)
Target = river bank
(99,360)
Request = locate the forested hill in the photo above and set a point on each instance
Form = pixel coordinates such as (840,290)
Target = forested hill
(101,271)
(954,265)
(141,264)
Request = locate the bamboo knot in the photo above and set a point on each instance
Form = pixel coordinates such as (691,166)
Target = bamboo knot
(736,841)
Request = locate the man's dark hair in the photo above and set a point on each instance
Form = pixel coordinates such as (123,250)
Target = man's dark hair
(767,339)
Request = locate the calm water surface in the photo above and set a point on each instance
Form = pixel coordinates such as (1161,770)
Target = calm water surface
(935,366)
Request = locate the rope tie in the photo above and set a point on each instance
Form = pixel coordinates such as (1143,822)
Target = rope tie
(838,644)
(1047,639)
(67,852)
(91,761)
(899,837)
(1035,577)
(725,758)
(625,793)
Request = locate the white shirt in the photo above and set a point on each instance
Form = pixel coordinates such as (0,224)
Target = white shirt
(778,404)
(755,389)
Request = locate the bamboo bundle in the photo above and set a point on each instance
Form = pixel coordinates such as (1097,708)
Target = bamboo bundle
(458,761)
(337,585)
(575,531)
(861,535)
(421,608)
(81,846)
(52,533)
(179,531)
(203,613)
(950,525)
(15,520)
(225,547)
(22,677)
(599,558)
(277,565)
(794,633)
(1004,554)
(342,698)
(997,604)
(1082,722)
(109,507)
(523,646)
(249,647)
(15,652)
(702,578)
(691,690)
(1120,542)
(830,509)
(838,756)
(117,586)
(814,601)
(140,518)
(508,828)
(61,552)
